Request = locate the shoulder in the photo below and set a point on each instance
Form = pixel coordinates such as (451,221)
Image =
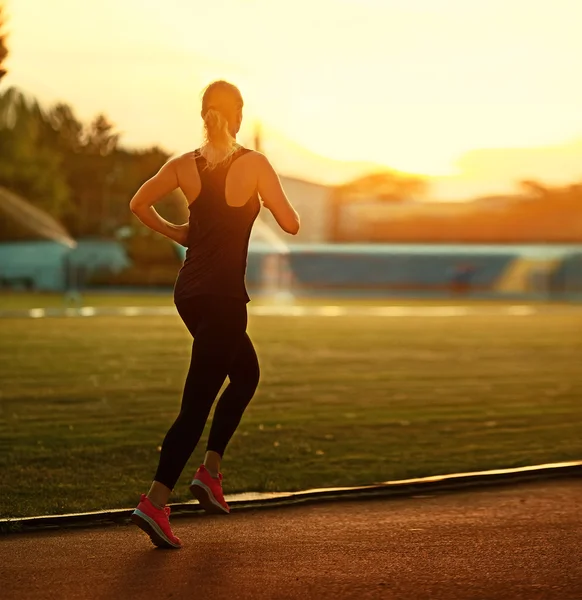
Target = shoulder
(242,151)
(186,157)
(251,158)
(254,156)
(184,161)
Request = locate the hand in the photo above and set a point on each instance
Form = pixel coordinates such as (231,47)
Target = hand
(179,233)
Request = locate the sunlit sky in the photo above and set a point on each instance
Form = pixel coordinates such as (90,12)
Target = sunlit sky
(477,93)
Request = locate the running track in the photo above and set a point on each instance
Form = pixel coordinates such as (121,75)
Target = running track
(520,542)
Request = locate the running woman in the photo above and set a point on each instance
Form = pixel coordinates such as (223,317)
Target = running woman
(224,184)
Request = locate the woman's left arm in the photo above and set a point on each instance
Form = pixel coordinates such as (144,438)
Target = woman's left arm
(153,190)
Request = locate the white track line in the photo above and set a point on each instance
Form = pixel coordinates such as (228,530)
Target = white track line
(521,311)
(390,311)
(293,311)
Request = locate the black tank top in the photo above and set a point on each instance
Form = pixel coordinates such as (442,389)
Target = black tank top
(218,237)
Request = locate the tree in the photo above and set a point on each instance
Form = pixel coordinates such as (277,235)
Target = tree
(65,131)
(534,189)
(90,169)
(76,172)
(383,186)
(388,186)
(3,48)
(100,136)
(29,165)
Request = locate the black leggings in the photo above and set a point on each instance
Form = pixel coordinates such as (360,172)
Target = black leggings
(221,348)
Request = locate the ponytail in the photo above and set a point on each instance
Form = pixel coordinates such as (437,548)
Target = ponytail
(219,144)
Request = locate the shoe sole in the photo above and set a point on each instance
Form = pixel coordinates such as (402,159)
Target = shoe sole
(148,525)
(206,498)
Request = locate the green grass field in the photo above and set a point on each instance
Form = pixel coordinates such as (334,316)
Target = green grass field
(85,403)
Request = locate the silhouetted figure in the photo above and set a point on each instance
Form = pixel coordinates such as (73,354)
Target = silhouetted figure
(462,278)
(224,184)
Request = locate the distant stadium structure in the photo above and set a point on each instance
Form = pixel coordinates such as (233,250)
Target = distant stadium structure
(314,263)
(403,269)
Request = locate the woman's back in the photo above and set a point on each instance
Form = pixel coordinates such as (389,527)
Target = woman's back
(241,174)
(224,185)
(250,173)
(223,203)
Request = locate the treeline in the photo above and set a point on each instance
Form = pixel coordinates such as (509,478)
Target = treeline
(539,214)
(77,172)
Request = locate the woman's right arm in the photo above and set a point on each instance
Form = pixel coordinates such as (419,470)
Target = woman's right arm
(274,198)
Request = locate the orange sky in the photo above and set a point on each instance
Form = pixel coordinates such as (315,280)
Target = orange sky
(477,94)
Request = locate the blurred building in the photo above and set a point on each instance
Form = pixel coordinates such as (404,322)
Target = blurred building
(313,203)
(490,220)
(326,217)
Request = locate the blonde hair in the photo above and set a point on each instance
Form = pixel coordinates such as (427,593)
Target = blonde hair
(220,101)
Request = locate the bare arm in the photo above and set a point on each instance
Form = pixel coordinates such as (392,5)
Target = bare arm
(153,190)
(274,198)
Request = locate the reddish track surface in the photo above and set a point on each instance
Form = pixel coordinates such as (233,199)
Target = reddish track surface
(514,543)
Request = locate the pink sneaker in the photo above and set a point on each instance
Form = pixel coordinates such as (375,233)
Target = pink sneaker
(208,491)
(154,521)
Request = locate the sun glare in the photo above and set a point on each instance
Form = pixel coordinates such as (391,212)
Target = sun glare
(395,83)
